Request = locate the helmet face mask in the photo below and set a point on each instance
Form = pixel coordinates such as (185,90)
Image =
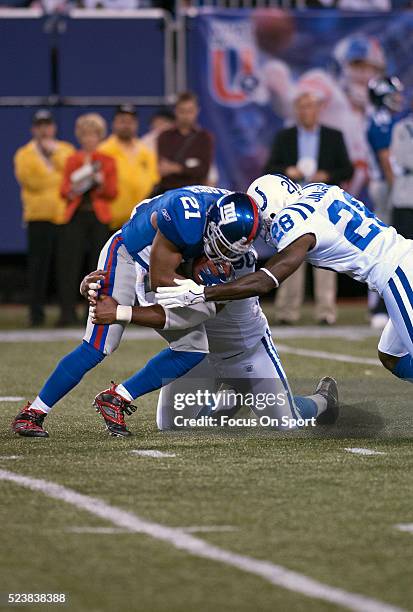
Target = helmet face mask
(232,225)
(218,248)
(387,92)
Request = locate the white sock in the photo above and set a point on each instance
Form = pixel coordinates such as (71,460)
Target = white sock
(123,393)
(320,401)
(38,404)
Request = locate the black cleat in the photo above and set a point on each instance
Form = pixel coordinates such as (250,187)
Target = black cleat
(112,407)
(29,423)
(327,387)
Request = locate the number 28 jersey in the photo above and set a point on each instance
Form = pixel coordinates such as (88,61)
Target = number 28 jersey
(349,237)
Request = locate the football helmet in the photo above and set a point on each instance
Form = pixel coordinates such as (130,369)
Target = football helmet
(272,192)
(232,224)
(387,92)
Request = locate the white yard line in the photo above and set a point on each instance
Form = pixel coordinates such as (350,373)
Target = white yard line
(9,457)
(284,348)
(99,530)
(152,453)
(275,574)
(208,528)
(10,398)
(405,527)
(115,530)
(364,451)
(135,333)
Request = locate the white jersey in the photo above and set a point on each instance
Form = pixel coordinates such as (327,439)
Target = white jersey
(349,237)
(241,324)
(402,157)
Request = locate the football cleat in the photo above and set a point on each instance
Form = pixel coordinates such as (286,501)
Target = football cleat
(327,387)
(29,422)
(112,407)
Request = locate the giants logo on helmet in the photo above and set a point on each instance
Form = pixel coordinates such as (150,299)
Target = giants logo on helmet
(228,214)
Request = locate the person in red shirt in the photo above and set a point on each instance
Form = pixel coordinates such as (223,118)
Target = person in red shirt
(185,152)
(89,186)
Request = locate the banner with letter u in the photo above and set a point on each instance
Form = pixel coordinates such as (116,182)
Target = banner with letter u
(247,66)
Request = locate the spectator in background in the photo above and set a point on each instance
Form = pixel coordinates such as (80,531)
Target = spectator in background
(308,153)
(386,97)
(135,164)
(160,121)
(185,152)
(401,153)
(89,187)
(39,170)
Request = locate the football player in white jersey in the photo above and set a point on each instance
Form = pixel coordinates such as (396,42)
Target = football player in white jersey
(327,227)
(242,358)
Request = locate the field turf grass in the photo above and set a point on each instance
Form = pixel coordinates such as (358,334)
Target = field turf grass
(296,499)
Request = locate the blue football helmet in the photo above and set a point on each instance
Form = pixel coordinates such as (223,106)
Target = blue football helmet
(232,224)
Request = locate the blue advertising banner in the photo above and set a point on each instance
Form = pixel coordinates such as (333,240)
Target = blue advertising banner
(248,66)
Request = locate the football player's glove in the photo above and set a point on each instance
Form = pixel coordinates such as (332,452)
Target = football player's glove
(185,293)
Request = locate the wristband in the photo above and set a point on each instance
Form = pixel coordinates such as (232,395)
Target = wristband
(268,273)
(124,314)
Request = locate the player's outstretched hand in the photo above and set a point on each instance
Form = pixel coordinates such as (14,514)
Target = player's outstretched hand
(185,293)
(104,311)
(91,284)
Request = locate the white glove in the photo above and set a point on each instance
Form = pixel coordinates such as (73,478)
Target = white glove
(185,293)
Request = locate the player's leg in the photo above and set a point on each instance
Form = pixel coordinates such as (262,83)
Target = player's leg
(99,341)
(396,342)
(261,373)
(322,405)
(186,349)
(172,402)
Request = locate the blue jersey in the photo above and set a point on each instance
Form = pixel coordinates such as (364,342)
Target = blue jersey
(180,215)
(379,137)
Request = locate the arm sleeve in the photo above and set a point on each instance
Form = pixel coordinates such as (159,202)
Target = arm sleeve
(291,225)
(173,224)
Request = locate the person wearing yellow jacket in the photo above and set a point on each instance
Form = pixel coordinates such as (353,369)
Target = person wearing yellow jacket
(136,164)
(39,170)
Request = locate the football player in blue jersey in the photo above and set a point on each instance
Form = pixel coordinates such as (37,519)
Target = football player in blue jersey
(386,97)
(327,227)
(164,231)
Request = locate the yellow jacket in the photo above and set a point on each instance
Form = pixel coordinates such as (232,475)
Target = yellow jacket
(137,176)
(40,181)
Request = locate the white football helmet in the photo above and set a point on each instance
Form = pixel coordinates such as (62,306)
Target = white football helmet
(273,192)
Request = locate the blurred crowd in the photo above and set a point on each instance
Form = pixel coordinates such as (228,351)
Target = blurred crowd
(74,199)
(63,6)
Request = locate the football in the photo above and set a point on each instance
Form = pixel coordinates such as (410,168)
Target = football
(206,272)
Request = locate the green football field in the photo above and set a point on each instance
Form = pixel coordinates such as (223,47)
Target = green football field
(230,520)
